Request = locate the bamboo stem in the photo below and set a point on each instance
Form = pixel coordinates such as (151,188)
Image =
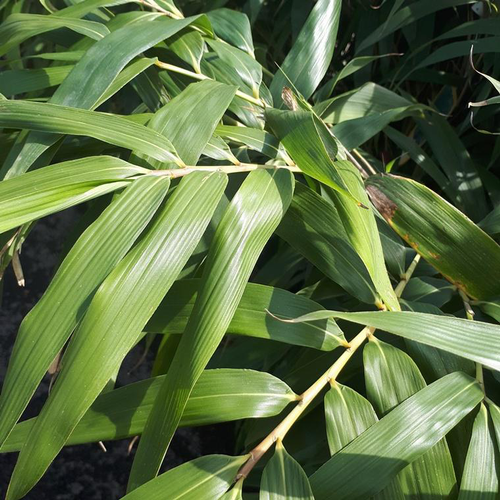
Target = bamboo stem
(228,169)
(200,76)
(279,432)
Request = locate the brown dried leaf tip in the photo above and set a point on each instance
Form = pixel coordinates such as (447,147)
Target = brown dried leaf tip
(384,205)
(289,99)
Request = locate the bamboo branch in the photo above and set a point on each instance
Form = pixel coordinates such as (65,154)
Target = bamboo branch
(308,396)
(200,76)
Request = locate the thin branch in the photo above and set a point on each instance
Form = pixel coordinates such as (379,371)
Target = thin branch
(199,76)
(308,396)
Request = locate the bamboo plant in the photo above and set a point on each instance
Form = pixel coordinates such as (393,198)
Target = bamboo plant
(301,182)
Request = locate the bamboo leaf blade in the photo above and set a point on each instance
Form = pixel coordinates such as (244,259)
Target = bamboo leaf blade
(368,463)
(61,186)
(47,327)
(250,318)
(52,118)
(480,477)
(246,226)
(391,377)
(283,477)
(220,395)
(203,478)
(445,237)
(113,322)
(308,60)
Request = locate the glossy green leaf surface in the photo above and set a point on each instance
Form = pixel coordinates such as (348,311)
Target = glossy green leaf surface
(368,463)
(250,317)
(203,478)
(246,226)
(61,186)
(444,236)
(283,477)
(219,396)
(113,324)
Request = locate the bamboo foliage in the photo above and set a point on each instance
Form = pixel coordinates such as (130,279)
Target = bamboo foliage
(289,207)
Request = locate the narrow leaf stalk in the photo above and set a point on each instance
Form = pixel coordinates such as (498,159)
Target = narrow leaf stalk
(228,169)
(279,432)
(200,76)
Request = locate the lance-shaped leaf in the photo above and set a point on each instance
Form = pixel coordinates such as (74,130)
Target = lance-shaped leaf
(92,76)
(313,227)
(233,27)
(116,316)
(218,396)
(204,478)
(19,27)
(391,377)
(255,139)
(366,465)
(61,186)
(18,81)
(283,477)
(348,414)
(480,477)
(473,340)
(306,64)
(189,120)
(444,236)
(250,318)
(246,226)
(52,118)
(189,46)
(49,324)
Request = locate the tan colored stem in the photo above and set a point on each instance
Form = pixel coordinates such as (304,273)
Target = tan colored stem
(200,76)
(308,396)
(229,169)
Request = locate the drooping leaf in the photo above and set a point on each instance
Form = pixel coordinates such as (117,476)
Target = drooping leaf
(52,118)
(445,237)
(307,62)
(219,396)
(246,226)
(233,27)
(250,318)
(366,465)
(113,322)
(203,478)
(480,478)
(61,186)
(47,327)
(283,477)
(391,377)
(314,228)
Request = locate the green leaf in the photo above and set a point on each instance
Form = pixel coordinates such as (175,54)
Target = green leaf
(455,160)
(445,237)
(204,478)
(391,377)
(19,27)
(473,340)
(491,223)
(283,477)
(113,323)
(47,327)
(92,76)
(366,465)
(255,139)
(306,64)
(19,81)
(189,46)
(233,27)
(250,318)
(44,117)
(348,414)
(219,396)
(480,478)
(246,226)
(314,228)
(61,186)
(189,120)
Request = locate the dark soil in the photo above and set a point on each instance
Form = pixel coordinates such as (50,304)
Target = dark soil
(82,472)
